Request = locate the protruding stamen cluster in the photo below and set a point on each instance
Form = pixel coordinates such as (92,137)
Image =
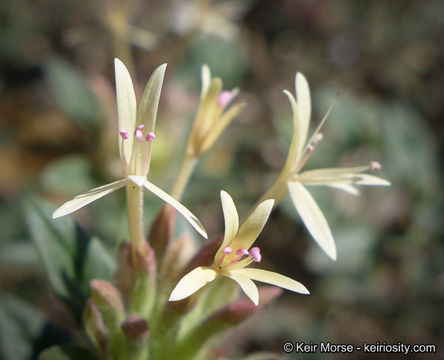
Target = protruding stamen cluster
(253,255)
(138,134)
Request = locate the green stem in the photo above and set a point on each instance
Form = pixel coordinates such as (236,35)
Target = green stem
(186,169)
(135,216)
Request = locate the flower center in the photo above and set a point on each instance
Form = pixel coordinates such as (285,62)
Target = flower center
(138,134)
(243,258)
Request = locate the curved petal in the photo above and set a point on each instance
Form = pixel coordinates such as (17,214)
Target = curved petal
(253,225)
(345,187)
(192,282)
(231,218)
(206,80)
(84,199)
(247,286)
(126,105)
(147,111)
(187,214)
(312,217)
(303,101)
(273,278)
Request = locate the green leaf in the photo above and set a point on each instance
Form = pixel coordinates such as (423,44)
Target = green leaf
(71,258)
(66,352)
(20,326)
(69,175)
(72,93)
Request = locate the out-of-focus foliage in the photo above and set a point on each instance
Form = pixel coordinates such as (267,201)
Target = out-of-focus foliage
(58,138)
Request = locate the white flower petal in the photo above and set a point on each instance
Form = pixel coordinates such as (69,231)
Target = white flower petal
(147,111)
(369,180)
(273,278)
(247,285)
(187,214)
(84,199)
(206,80)
(231,218)
(253,225)
(192,282)
(345,187)
(126,105)
(303,101)
(312,217)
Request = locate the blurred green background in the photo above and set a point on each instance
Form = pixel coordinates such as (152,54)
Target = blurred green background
(58,139)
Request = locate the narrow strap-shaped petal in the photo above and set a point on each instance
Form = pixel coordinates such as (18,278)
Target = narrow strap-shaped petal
(206,80)
(126,105)
(345,187)
(247,286)
(221,124)
(192,282)
(187,214)
(253,225)
(312,217)
(147,111)
(303,101)
(272,278)
(84,199)
(331,172)
(297,140)
(335,176)
(231,220)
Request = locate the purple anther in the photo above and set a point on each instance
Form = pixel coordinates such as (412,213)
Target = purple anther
(224,98)
(228,250)
(124,134)
(256,254)
(242,252)
(140,127)
(150,136)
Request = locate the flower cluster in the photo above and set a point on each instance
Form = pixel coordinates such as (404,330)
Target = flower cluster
(142,315)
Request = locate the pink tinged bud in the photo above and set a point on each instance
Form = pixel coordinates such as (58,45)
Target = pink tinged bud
(135,328)
(138,134)
(374,165)
(256,254)
(150,136)
(309,149)
(228,250)
(124,134)
(242,252)
(224,98)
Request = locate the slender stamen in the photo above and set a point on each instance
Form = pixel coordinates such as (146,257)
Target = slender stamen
(124,134)
(241,253)
(146,163)
(256,254)
(227,250)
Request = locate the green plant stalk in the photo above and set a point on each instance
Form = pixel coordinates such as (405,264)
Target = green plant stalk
(188,164)
(134,195)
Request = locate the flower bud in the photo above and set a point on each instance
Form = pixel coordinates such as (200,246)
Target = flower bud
(107,298)
(135,328)
(94,326)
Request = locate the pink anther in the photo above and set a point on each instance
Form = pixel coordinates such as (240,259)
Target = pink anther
(150,136)
(228,250)
(242,252)
(124,134)
(224,98)
(256,254)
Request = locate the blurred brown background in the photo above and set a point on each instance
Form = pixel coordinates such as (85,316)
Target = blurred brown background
(58,138)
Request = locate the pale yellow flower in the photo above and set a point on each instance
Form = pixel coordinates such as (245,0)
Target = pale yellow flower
(136,134)
(235,254)
(214,113)
(295,181)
